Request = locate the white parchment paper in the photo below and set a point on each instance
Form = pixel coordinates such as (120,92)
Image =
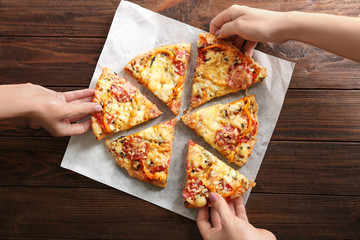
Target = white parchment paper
(135,30)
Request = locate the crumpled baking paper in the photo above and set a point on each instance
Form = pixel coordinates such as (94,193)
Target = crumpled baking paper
(135,30)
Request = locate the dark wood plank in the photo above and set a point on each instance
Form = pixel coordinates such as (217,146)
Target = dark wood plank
(110,214)
(319,116)
(310,168)
(49,61)
(89,18)
(36,162)
(288,167)
(306,216)
(315,68)
(87,214)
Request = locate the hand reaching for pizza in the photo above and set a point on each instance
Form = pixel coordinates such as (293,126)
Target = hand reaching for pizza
(229,221)
(54,111)
(246,26)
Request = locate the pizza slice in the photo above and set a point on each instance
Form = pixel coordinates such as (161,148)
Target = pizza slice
(123,105)
(163,71)
(221,68)
(206,173)
(146,154)
(230,128)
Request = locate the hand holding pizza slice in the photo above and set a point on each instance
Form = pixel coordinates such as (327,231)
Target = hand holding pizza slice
(206,173)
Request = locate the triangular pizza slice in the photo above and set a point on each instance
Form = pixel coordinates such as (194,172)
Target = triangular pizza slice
(206,173)
(123,105)
(230,128)
(221,68)
(146,154)
(163,71)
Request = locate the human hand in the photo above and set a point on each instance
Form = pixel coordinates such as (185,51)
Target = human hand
(229,221)
(58,112)
(246,26)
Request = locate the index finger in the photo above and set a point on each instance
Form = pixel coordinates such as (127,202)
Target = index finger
(225,16)
(78,94)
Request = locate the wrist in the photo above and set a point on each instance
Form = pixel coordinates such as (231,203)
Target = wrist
(24,100)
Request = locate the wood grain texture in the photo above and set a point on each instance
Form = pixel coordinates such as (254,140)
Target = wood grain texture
(91,18)
(319,116)
(49,61)
(109,214)
(288,167)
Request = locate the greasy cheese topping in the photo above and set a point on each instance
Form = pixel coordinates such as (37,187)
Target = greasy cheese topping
(222,117)
(160,77)
(216,67)
(158,141)
(206,173)
(222,69)
(163,71)
(117,115)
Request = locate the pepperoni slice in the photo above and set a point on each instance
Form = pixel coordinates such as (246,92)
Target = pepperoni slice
(238,76)
(135,148)
(180,61)
(99,118)
(123,92)
(228,137)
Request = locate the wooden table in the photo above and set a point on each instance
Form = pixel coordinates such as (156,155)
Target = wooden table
(308,186)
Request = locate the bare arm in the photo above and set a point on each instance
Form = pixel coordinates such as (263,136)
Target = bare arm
(247,26)
(55,111)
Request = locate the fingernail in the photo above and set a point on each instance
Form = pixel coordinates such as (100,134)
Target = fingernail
(217,33)
(97,108)
(213,197)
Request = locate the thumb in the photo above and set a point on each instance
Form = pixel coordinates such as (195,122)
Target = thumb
(228,29)
(82,109)
(221,206)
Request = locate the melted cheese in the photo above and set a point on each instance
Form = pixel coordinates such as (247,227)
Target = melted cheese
(212,119)
(208,173)
(160,77)
(120,115)
(159,141)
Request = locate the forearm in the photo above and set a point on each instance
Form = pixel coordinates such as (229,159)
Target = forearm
(336,34)
(15,101)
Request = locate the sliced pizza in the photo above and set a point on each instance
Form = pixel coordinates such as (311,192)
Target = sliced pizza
(163,71)
(123,106)
(206,173)
(230,128)
(146,154)
(221,68)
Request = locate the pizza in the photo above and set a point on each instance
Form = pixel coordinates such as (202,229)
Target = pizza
(163,71)
(123,106)
(221,68)
(206,173)
(230,128)
(146,154)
